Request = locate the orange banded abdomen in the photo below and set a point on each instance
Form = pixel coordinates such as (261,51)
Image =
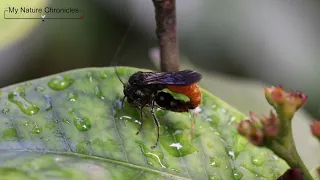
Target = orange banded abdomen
(192,91)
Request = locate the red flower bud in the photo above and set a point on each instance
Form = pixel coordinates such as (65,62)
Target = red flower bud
(315,128)
(257,129)
(256,137)
(274,95)
(245,127)
(285,103)
(271,125)
(291,174)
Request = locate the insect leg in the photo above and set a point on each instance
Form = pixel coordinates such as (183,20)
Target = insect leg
(157,124)
(141,120)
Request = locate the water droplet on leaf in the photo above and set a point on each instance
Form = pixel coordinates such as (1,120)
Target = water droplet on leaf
(71,111)
(82,148)
(5,111)
(150,163)
(177,143)
(231,154)
(174,169)
(36,129)
(257,160)
(26,123)
(9,133)
(27,84)
(82,124)
(89,76)
(214,162)
(51,125)
(18,98)
(66,121)
(72,97)
(104,74)
(98,92)
(213,177)
(237,175)
(40,89)
(60,82)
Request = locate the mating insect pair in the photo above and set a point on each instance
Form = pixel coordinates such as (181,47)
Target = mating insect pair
(145,88)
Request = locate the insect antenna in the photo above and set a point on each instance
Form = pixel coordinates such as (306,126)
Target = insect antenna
(156,121)
(115,57)
(119,48)
(115,69)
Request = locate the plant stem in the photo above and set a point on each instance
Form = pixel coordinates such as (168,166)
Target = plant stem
(165,11)
(284,146)
(291,156)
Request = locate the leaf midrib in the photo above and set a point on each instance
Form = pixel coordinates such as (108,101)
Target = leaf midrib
(113,161)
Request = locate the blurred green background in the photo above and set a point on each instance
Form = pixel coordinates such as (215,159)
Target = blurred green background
(240,47)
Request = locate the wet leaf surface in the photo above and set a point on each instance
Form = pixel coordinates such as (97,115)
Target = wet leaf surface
(70,126)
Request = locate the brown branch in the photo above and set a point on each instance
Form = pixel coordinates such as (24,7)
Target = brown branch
(165,11)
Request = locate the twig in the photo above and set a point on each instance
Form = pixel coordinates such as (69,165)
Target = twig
(165,11)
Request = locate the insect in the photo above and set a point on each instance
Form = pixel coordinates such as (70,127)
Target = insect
(145,89)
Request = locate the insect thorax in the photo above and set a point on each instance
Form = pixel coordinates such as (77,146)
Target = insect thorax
(139,95)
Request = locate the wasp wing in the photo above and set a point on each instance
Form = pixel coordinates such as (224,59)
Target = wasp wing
(185,77)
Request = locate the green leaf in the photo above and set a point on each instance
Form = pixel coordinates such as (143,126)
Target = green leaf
(70,126)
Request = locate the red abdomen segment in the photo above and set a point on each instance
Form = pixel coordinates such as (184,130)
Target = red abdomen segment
(192,91)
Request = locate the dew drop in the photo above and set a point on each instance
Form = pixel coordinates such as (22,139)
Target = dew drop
(26,123)
(104,74)
(232,119)
(18,98)
(231,154)
(155,155)
(66,121)
(89,76)
(98,92)
(174,169)
(210,145)
(82,148)
(9,133)
(48,105)
(150,163)
(72,97)
(71,111)
(176,145)
(240,145)
(40,89)
(213,177)
(51,125)
(82,124)
(60,82)
(257,160)
(214,162)
(27,84)
(36,129)
(5,111)
(237,175)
